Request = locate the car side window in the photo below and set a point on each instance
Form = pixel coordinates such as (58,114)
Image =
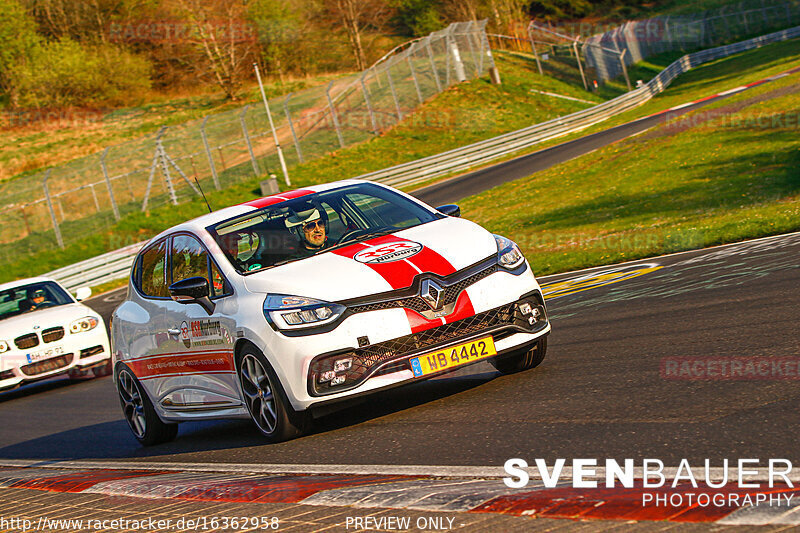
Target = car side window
(189,258)
(153,263)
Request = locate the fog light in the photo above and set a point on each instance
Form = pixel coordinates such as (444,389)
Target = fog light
(338,380)
(525,308)
(342,364)
(327,376)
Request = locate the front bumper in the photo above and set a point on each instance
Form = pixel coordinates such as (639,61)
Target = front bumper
(388,364)
(91,350)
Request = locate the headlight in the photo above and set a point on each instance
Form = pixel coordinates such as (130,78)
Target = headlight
(508,254)
(297,312)
(4,347)
(83,324)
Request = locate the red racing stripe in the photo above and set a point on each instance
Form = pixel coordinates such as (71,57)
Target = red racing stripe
(277,198)
(398,274)
(184,363)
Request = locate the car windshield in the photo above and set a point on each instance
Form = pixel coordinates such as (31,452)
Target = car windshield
(315,223)
(31,297)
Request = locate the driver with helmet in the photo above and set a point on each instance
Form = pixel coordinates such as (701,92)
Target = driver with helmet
(310,226)
(35,298)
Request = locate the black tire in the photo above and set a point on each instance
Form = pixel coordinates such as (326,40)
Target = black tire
(139,412)
(522,360)
(102,370)
(265,399)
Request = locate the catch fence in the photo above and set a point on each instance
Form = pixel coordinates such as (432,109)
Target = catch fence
(67,203)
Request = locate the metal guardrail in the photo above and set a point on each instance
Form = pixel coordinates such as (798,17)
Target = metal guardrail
(116,264)
(484,151)
(97,270)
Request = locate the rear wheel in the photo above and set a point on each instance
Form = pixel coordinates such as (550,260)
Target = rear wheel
(522,360)
(266,402)
(139,412)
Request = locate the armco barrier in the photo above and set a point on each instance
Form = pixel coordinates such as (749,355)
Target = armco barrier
(115,265)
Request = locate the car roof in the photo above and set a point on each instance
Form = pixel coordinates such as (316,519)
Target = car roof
(25,281)
(203,221)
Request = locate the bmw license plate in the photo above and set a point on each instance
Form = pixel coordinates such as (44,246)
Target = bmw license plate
(45,354)
(453,356)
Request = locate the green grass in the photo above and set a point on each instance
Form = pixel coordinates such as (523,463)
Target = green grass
(479,110)
(729,178)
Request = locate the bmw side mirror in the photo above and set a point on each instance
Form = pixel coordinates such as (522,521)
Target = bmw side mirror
(451,210)
(192,290)
(83,293)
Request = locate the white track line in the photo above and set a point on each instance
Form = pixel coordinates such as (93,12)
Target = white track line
(483,472)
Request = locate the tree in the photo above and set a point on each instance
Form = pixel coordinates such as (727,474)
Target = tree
(19,40)
(420,17)
(279,29)
(355,16)
(221,32)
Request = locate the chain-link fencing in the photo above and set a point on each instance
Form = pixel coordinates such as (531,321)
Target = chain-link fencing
(64,204)
(607,53)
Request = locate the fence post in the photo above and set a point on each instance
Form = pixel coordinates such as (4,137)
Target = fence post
(94,196)
(165,169)
(744,17)
(468,35)
(333,115)
(457,63)
(477,35)
(764,15)
(108,185)
(433,64)
(414,75)
(533,48)
(580,66)
(625,68)
(208,153)
(153,166)
(394,93)
(291,127)
(253,159)
(52,211)
(369,104)
(278,148)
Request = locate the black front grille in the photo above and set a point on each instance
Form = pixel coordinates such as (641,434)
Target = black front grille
(393,355)
(417,304)
(48,365)
(24,342)
(384,351)
(53,334)
(88,352)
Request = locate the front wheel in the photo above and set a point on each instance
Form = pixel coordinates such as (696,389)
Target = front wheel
(522,360)
(139,412)
(266,402)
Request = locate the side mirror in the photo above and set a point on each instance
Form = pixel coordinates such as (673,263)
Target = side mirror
(451,210)
(192,290)
(83,293)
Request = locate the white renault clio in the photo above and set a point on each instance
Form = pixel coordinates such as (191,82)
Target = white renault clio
(45,332)
(278,306)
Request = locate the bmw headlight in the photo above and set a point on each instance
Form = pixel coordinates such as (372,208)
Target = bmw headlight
(509,255)
(4,347)
(83,324)
(297,312)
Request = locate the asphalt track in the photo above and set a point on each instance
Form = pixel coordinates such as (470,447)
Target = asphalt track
(603,390)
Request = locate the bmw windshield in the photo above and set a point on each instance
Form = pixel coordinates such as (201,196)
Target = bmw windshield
(313,224)
(31,297)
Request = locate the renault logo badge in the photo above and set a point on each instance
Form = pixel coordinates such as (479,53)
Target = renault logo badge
(432,294)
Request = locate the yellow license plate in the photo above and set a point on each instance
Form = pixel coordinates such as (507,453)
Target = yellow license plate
(454,356)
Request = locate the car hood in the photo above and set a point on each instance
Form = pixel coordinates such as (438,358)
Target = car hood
(380,264)
(60,315)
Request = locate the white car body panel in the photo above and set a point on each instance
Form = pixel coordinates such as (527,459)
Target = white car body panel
(202,382)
